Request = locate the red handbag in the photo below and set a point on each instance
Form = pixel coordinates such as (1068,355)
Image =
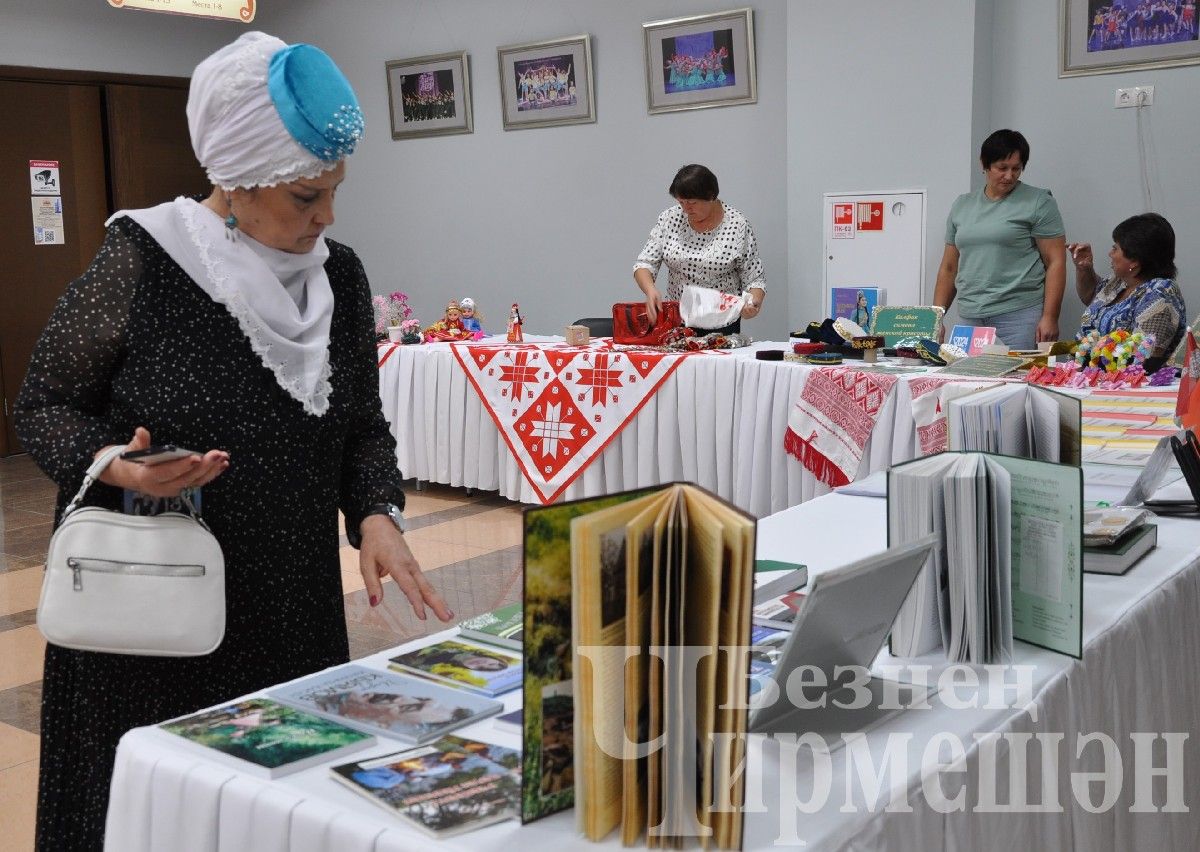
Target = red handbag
(632,327)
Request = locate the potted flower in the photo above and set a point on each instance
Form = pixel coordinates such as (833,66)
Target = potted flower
(390,312)
(410,331)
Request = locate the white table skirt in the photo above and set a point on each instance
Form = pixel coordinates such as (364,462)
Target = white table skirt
(1140,673)
(718,421)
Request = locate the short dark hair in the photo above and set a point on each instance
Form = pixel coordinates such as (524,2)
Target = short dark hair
(1001,145)
(1150,240)
(695,181)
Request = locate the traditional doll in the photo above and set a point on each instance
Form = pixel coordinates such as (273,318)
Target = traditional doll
(514,325)
(470,316)
(449,327)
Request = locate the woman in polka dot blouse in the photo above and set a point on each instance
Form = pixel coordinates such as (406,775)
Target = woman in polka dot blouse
(230,326)
(705,243)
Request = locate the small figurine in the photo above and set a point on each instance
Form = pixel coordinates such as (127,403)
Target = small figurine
(449,327)
(514,325)
(470,316)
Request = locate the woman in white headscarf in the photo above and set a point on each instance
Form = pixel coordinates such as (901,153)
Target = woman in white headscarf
(230,326)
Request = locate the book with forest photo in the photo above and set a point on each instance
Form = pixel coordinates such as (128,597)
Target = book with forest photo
(265,738)
(670,569)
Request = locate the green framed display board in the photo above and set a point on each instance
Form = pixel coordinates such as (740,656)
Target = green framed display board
(896,322)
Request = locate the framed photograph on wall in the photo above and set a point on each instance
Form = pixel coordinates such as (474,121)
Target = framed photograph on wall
(700,61)
(429,95)
(547,83)
(1108,36)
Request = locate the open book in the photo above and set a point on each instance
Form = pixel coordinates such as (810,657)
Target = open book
(1009,562)
(1017,420)
(658,580)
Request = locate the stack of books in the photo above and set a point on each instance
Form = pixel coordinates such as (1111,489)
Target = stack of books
(1114,538)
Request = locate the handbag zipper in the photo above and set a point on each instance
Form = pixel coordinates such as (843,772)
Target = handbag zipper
(111,566)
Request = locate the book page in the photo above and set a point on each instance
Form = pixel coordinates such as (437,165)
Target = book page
(599,570)
(914,489)
(665,526)
(643,545)
(702,611)
(1047,579)
(732,669)
(1056,421)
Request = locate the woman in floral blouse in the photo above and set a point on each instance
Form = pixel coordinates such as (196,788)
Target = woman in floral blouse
(1142,294)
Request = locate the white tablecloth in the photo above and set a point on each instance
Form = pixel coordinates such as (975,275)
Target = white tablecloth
(1140,673)
(718,421)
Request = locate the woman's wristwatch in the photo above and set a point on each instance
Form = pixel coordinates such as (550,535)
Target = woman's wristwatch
(390,509)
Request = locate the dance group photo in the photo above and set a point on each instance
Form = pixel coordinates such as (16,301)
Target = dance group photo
(699,61)
(1120,24)
(547,81)
(428,96)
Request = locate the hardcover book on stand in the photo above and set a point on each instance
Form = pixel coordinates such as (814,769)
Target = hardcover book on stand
(1008,564)
(669,568)
(409,709)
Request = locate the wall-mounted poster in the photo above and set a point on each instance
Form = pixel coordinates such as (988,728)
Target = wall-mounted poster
(1108,36)
(430,95)
(547,83)
(700,61)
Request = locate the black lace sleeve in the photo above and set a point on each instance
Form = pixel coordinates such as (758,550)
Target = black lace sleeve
(369,472)
(62,410)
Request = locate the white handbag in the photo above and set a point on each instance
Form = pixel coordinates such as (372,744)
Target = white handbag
(130,584)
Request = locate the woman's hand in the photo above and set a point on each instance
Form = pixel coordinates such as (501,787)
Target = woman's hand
(1085,271)
(1047,329)
(1081,255)
(168,478)
(653,303)
(752,306)
(384,553)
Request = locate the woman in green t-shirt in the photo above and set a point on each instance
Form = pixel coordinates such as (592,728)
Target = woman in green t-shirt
(1005,257)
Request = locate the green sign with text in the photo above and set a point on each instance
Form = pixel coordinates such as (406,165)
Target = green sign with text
(896,322)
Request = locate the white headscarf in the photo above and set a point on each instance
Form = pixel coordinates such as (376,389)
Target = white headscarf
(236,130)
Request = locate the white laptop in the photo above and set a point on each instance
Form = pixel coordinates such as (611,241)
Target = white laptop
(844,621)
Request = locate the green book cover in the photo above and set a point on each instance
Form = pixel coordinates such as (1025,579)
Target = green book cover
(504,627)
(267,737)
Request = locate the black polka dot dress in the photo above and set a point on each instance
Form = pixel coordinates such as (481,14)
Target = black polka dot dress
(725,258)
(135,342)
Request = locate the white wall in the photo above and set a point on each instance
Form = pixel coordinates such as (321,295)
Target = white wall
(895,95)
(880,98)
(551,218)
(1085,151)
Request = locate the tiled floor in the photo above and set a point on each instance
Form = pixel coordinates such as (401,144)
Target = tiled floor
(469,547)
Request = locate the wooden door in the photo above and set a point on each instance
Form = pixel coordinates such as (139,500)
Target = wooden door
(150,152)
(44,121)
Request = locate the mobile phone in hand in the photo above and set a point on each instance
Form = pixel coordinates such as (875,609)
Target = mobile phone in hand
(158,454)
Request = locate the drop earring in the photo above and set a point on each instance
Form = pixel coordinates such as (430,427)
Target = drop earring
(230,220)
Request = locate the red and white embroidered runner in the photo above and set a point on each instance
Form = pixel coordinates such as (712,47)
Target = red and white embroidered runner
(830,424)
(559,406)
(931,397)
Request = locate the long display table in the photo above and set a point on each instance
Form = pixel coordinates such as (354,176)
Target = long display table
(1137,687)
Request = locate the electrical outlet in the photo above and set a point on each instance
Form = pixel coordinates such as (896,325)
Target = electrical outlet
(1134,96)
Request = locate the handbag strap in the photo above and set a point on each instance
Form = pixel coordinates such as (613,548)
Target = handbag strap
(100,465)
